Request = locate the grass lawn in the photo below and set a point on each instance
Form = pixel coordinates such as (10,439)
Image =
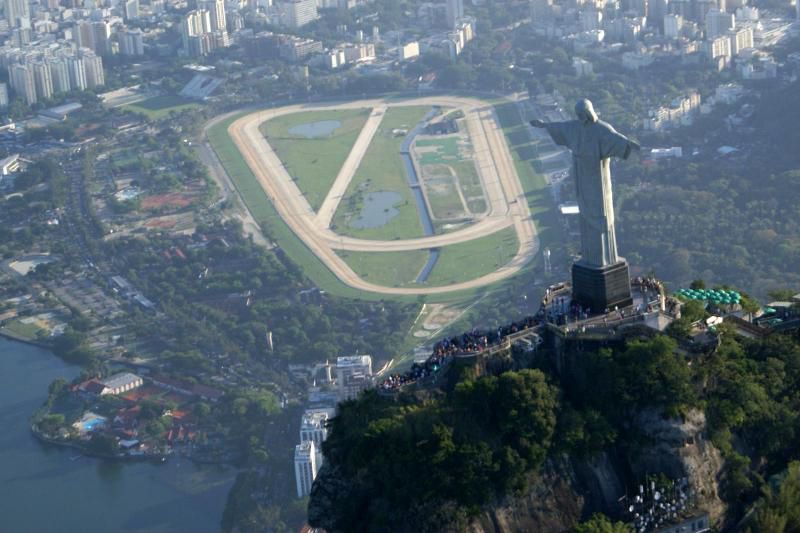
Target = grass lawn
(444,200)
(159,107)
(470,260)
(446,150)
(392,269)
(17,327)
(382,169)
(315,162)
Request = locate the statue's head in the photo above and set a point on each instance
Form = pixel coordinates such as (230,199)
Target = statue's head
(585,111)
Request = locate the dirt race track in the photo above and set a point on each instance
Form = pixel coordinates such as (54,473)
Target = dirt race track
(506,197)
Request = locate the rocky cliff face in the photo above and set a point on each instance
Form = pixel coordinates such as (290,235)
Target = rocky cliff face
(680,449)
(568,491)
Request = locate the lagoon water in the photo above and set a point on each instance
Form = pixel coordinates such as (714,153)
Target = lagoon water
(378,209)
(44,488)
(313,130)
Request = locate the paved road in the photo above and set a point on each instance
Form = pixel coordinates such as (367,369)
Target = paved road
(505,195)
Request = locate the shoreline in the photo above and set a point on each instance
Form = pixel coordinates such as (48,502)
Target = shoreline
(15,337)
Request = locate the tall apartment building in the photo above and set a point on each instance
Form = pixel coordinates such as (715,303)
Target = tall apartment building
(313,426)
(305,467)
(94,70)
(353,374)
(59,71)
(719,23)
(3,95)
(740,39)
(300,12)
(22,81)
(102,37)
(42,80)
(131,42)
(216,10)
(16,10)
(454,10)
(77,73)
(719,47)
(199,37)
(131,9)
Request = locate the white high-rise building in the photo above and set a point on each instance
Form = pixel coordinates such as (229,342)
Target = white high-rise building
(59,71)
(454,10)
(77,73)
(22,81)
(195,25)
(17,10)
(43,81)
(353,374)
(740,40)
(216,10)
(305,467)
(3,95)
(300,12)
(94,70)
(313,426)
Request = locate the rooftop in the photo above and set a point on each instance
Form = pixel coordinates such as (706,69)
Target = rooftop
(353,360)
(119,380)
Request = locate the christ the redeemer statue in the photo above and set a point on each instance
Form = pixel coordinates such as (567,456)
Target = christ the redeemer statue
(593,142)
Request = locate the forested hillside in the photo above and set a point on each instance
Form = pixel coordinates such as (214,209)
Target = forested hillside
(733,218)
(436,462)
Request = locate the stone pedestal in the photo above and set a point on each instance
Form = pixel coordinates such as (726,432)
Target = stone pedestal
(601,288)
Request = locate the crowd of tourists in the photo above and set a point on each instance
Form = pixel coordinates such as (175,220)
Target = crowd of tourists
(471,342)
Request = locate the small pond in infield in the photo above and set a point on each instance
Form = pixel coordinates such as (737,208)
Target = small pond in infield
(313,130)
(378,209)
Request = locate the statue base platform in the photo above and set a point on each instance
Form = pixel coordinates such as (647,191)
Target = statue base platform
(601,288)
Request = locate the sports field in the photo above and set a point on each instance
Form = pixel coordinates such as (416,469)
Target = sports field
(380,260)
(160,107)
(314,160)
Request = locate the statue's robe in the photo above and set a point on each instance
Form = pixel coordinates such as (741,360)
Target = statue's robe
(592,144)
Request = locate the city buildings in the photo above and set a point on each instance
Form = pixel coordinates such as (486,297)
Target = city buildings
(454,11)
(300,12)
(353,374)
(203,30)
(18,13)
(131,42)
(718,23)
(305,467)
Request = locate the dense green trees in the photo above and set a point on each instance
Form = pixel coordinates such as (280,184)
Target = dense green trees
(204,298)
(457,452)
(599,523)
(461,450)
(779,510)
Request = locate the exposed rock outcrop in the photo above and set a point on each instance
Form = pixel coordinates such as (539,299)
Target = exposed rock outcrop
(680,449)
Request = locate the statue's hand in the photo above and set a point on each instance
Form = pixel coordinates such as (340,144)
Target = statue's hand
(536,123)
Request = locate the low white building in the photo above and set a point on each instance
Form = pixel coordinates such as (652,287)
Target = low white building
(119,383)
